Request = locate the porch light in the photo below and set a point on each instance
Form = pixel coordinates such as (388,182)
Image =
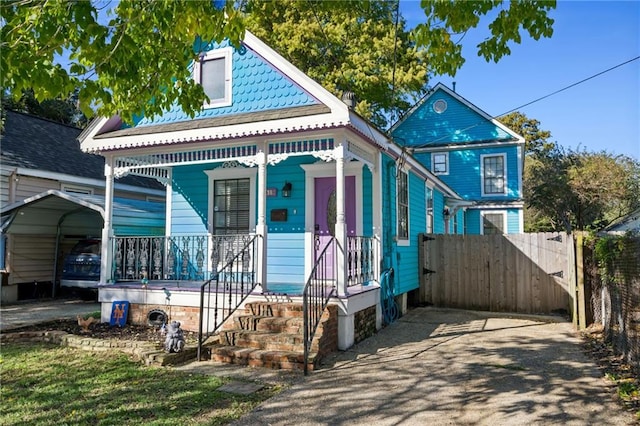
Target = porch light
(446,213)
(286,189)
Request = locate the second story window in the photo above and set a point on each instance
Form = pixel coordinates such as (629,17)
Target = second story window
(493,175)
(213,72)
(440,163)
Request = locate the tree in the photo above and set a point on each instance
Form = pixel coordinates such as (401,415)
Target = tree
(356,49)
(63,111)
(136,61)
(580,190)
(536,140)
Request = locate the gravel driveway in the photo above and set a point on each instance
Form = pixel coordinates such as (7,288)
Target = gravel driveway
(450,367)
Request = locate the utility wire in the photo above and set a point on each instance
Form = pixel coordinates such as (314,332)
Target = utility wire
(538,99)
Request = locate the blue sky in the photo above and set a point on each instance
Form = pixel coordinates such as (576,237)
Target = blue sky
(589,37)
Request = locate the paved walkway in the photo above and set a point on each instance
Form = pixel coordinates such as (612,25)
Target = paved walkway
(446,367)
(25,313)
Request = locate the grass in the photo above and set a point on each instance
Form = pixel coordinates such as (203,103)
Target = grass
(52,385)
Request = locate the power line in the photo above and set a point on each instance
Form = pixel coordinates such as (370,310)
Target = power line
(540,98)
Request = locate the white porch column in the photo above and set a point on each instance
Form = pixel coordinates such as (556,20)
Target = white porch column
(341,225)
(261,223)
(106,261)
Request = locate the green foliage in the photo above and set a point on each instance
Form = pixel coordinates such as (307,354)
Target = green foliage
(49,385)
(617,257)
(63,111)
(578,189)
(448,19)
(536,140)
(354,49)
(136,61)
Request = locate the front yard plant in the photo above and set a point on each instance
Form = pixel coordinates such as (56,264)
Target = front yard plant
(44,384)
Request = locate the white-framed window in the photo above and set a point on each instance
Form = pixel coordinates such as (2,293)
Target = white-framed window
(429,205)
(440,163)
(402,187)
(492,222)
(232,198)
(214,73)
(494,174)
(70,189)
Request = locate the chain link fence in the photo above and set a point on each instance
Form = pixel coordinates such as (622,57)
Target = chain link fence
(612,285)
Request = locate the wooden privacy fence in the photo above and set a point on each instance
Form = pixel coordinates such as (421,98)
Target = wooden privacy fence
(524,273)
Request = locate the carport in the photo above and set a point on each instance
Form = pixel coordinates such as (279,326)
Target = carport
(41,225)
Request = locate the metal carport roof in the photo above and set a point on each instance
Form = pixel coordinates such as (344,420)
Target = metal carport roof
(43,213)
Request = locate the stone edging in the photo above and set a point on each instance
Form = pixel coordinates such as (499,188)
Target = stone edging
(148,353)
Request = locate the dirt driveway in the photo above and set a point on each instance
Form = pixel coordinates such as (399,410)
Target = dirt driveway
(449,367)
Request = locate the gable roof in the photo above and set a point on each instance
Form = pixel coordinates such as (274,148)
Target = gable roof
(628,223)
(457,121)
(35,143)
(289,101)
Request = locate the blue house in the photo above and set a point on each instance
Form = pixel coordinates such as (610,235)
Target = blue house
(473,153)
(276,170)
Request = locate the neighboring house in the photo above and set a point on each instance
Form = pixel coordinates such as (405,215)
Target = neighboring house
(473,153)
(41,162)
(628,223)
(274,154)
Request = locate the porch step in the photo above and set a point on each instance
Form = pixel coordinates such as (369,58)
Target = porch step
(271,335)
(275,360)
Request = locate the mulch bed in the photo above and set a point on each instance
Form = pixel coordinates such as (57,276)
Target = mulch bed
(141,333)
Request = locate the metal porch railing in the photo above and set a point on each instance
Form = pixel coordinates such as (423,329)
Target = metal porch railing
(176,258)
(361,252)
(226,290)
(317,291)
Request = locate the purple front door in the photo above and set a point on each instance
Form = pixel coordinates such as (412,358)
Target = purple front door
(325,210)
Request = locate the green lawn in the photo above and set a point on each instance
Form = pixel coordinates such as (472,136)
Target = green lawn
(50,385)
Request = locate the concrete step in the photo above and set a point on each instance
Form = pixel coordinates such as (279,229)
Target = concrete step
(274,359)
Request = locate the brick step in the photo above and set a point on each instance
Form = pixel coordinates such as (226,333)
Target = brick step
(267,323)
(275,309)
(263,340)
(273,359)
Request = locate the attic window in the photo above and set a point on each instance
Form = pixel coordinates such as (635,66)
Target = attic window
(213,72)
(440,106)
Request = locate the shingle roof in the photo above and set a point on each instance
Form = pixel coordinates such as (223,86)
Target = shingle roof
(36,143)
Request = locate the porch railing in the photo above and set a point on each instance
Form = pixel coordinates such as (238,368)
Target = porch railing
(360,260)
(225,292)
(179,258)
(317,291)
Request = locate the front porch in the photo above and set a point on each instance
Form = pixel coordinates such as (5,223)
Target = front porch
(204,282)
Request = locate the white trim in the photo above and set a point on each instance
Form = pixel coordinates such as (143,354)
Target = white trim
(515,205)
(428,228)
(226,54)
(221,173)
(521,221)
(446,162)
(168,207)
(505,191)
(404,242)
(504,213)
(456,146)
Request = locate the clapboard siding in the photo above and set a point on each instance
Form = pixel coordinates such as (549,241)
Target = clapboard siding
(285,258)
(290,171)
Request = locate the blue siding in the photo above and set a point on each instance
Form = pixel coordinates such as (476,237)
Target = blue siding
(473,221)
(257,86)
(464,171)
(285,258)
(189,207)
(287,171)
(459,123)
(513,221)
(367,202)
(438,209)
